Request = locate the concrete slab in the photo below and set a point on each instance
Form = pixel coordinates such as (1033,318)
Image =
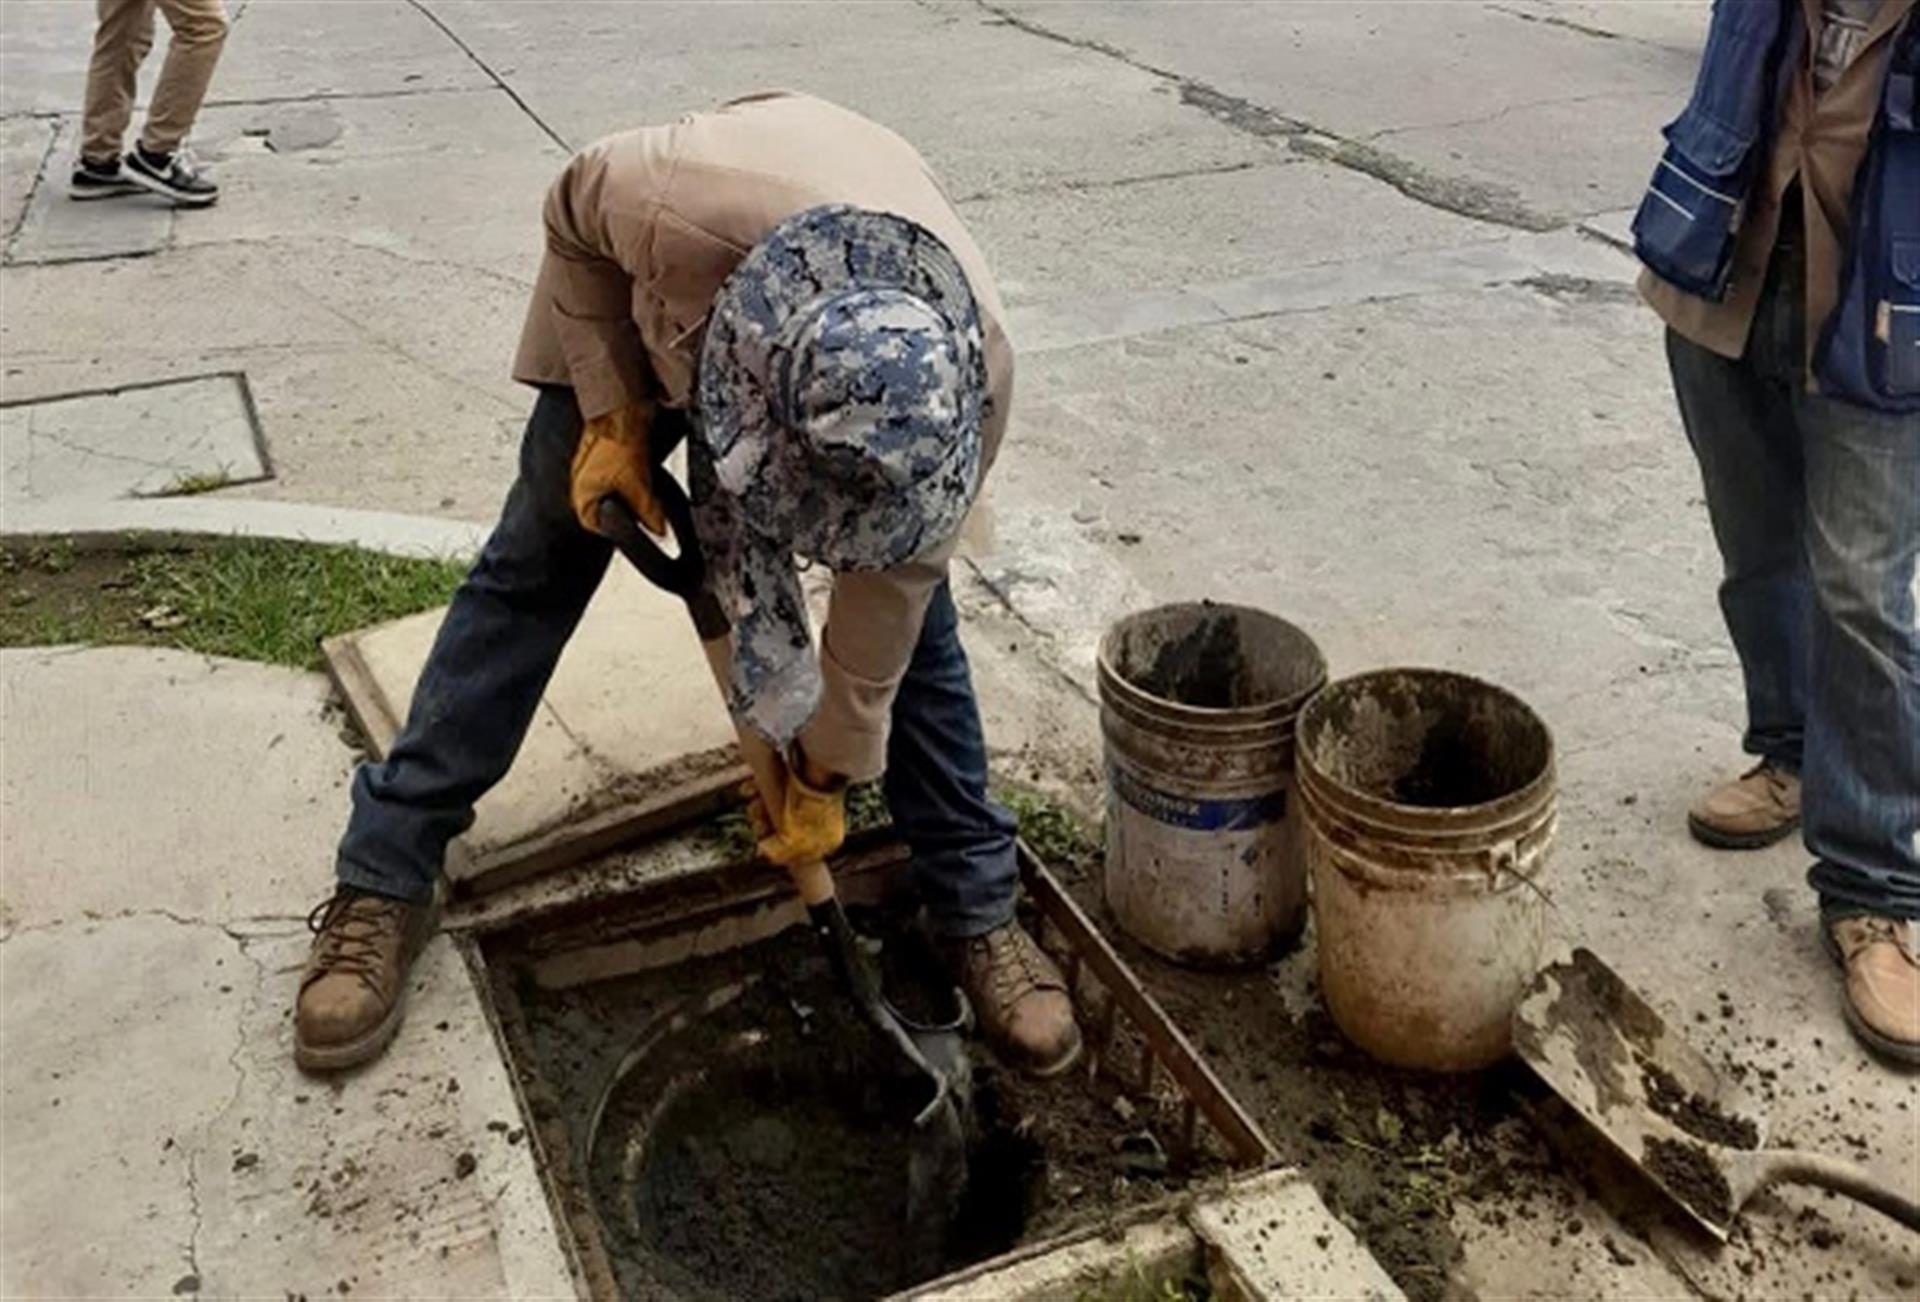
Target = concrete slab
(357,311)
(311,179)
(304,49)
(43,61)
(1065,242)
(1560,260)
(213,1167)
(142,441)
(1271,1237)
(397,535)
(1022,113)
(1134,1257)
(285,49)
(379,385)
(1614,226)
(156,1138)
(590,756)
(1420,413)
(55,228)
(1674,24)
(24,144)
(91,829)
(1478,94)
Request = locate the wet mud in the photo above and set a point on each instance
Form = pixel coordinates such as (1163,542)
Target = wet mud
(1699,1116)
(1688,1170)
(1427,740)
(1216,657)
(1450,773)
(1206,667)
(1393,1153)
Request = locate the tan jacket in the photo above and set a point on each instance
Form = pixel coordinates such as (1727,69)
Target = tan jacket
(642,228)
(1821,140)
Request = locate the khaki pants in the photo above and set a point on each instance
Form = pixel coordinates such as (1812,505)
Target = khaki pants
(120,44)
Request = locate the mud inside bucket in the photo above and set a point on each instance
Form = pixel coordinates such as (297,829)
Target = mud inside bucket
(1214,657)
(1426,739)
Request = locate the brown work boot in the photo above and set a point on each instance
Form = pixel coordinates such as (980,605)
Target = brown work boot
(354,988)
(1883,982)
(1019,996)
(1756,809)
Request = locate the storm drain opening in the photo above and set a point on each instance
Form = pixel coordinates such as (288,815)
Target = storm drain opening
(713,1119)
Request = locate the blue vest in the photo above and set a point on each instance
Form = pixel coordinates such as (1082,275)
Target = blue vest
(1869,349)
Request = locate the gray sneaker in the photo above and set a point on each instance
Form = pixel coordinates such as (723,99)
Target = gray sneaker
(173,176)
(93,180)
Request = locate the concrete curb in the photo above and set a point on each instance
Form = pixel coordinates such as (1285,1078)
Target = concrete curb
(381,531)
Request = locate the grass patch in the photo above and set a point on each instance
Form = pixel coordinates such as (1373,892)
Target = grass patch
(249,598)
(1052,831)
(192,485)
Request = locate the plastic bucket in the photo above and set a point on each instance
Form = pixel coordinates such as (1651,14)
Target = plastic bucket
(1206,856)
(1429,802)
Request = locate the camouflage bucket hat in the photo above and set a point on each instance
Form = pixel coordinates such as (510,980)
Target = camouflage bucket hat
(842,385)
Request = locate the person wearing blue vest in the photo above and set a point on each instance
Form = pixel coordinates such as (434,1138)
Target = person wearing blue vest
(1781,239)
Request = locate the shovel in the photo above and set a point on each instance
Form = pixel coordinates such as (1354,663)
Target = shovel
(935,1051)
(1656,1099)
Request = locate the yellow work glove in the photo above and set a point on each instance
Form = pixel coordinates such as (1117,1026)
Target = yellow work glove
(811,825)
(612,461)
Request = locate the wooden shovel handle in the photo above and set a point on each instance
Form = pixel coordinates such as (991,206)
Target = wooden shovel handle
(1791,1166)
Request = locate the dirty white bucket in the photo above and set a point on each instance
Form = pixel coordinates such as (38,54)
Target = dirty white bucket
(1430,807)
(1205,852)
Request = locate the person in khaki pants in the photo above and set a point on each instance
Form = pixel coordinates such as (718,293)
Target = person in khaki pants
(157,161)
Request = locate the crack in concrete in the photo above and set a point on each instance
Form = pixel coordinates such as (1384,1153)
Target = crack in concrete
(41,436)
(1114,183)
(278,243)
(1482,119)
(33,190)
(1478,200)
(367,332)
(130,255)
(1581,289)
(1041,637)
(493,76)
(198,1220)
(271,101)
(1554,20)
(227,929)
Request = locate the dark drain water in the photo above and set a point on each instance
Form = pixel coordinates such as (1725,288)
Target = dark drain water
(774,1171)
(726,1128)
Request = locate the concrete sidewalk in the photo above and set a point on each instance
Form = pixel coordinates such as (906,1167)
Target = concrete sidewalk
(1309,318)
(158,1138)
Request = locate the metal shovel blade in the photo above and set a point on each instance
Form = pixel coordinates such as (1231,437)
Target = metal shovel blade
(936,1052)
(1655,1098)
(1695,1135)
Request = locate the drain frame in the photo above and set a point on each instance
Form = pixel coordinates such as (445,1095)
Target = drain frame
(596,934)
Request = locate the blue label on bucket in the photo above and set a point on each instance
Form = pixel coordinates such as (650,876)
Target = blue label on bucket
(1194,814)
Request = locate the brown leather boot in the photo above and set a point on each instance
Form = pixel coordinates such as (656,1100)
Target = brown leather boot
(1883,982)
(1756,809)
(1019,996)
(354,989)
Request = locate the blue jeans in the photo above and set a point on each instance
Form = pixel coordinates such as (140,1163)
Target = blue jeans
(1816,507)
(497,648)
